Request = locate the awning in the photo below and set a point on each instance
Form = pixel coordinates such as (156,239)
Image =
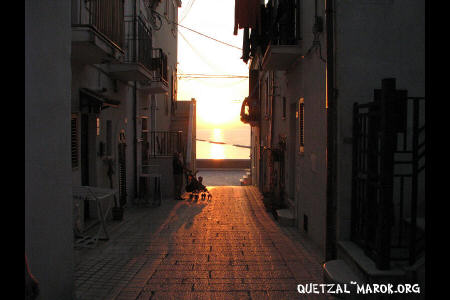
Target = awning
(92,99)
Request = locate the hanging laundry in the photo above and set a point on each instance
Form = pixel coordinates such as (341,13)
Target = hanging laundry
(246,45)
(246,14)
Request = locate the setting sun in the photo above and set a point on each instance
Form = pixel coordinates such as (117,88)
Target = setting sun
(211,71)
(217,84)
(216,112)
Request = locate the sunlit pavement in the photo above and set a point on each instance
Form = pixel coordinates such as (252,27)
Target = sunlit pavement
(226,248)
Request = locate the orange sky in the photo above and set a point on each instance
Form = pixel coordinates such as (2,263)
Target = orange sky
(200,55)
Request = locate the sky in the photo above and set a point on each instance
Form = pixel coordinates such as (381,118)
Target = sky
(218,100)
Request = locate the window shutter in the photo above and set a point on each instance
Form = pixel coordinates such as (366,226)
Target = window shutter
(301,112)
(74,141)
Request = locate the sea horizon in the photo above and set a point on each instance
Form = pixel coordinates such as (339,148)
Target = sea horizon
(223,143)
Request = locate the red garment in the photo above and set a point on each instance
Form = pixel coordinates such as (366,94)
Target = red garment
(246,14)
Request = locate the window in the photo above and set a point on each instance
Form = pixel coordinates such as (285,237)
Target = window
(173,96)
(301,118)
(166,104)
(173,17)
(298,33)
(108,137)
(174,85)
(144,136)
(166,8)
(266,97)
(74,140)
(98,126)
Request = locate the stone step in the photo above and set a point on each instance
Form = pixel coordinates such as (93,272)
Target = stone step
(338,272)
(285,217)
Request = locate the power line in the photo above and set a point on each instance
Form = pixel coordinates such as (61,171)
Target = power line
(213,75)
(199,32)
(208,36)
(188,8)
(200,55)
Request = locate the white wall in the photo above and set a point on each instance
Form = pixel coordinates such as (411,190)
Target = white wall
(166,39)
(307,79)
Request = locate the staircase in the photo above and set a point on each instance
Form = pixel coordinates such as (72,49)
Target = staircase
(246,179)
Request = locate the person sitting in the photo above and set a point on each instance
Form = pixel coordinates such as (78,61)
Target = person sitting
(203,190)
(195,187)
(192,184)
(200,186)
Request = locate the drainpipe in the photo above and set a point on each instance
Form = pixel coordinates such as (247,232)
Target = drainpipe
(271,163)
(330,243)
(135,109)
(153,111)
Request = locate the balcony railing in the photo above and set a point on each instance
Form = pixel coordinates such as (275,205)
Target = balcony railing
(283,22)
(165,143)
(159,66)
(138,42)
(105,16)
(388,192)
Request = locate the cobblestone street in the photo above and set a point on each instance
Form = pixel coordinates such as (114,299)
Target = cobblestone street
(225,248)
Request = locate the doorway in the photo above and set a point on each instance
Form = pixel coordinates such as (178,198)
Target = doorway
(85,159)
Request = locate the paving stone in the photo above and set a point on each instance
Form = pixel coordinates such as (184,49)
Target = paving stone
(229,248)
(202,295)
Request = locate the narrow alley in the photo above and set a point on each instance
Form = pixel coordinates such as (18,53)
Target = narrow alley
(227,247)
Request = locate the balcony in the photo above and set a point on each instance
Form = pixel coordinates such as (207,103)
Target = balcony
(97,31)
(388,177)
(137,62)
(280,57)
(283,36)
(165,143)
(159,83)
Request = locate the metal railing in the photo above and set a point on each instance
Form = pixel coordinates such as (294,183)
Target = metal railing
(165,143)
(388,190)
(105,16)
(159,65)
(283,22)
(138,42)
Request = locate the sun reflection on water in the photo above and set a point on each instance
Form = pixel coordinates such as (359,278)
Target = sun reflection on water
(217,150)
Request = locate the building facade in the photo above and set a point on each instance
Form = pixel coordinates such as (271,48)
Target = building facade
(48,186)
(112,67)
(314,66)
(124,59)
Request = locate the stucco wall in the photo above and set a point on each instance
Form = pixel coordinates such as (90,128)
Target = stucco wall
(387,38)
(48,191)
(311,165)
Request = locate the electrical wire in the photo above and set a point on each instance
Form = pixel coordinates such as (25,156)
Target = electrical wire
(212,75)
(208,36)
(202,57)
(185,10)
(317,46)
(188,8)
(199,33)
